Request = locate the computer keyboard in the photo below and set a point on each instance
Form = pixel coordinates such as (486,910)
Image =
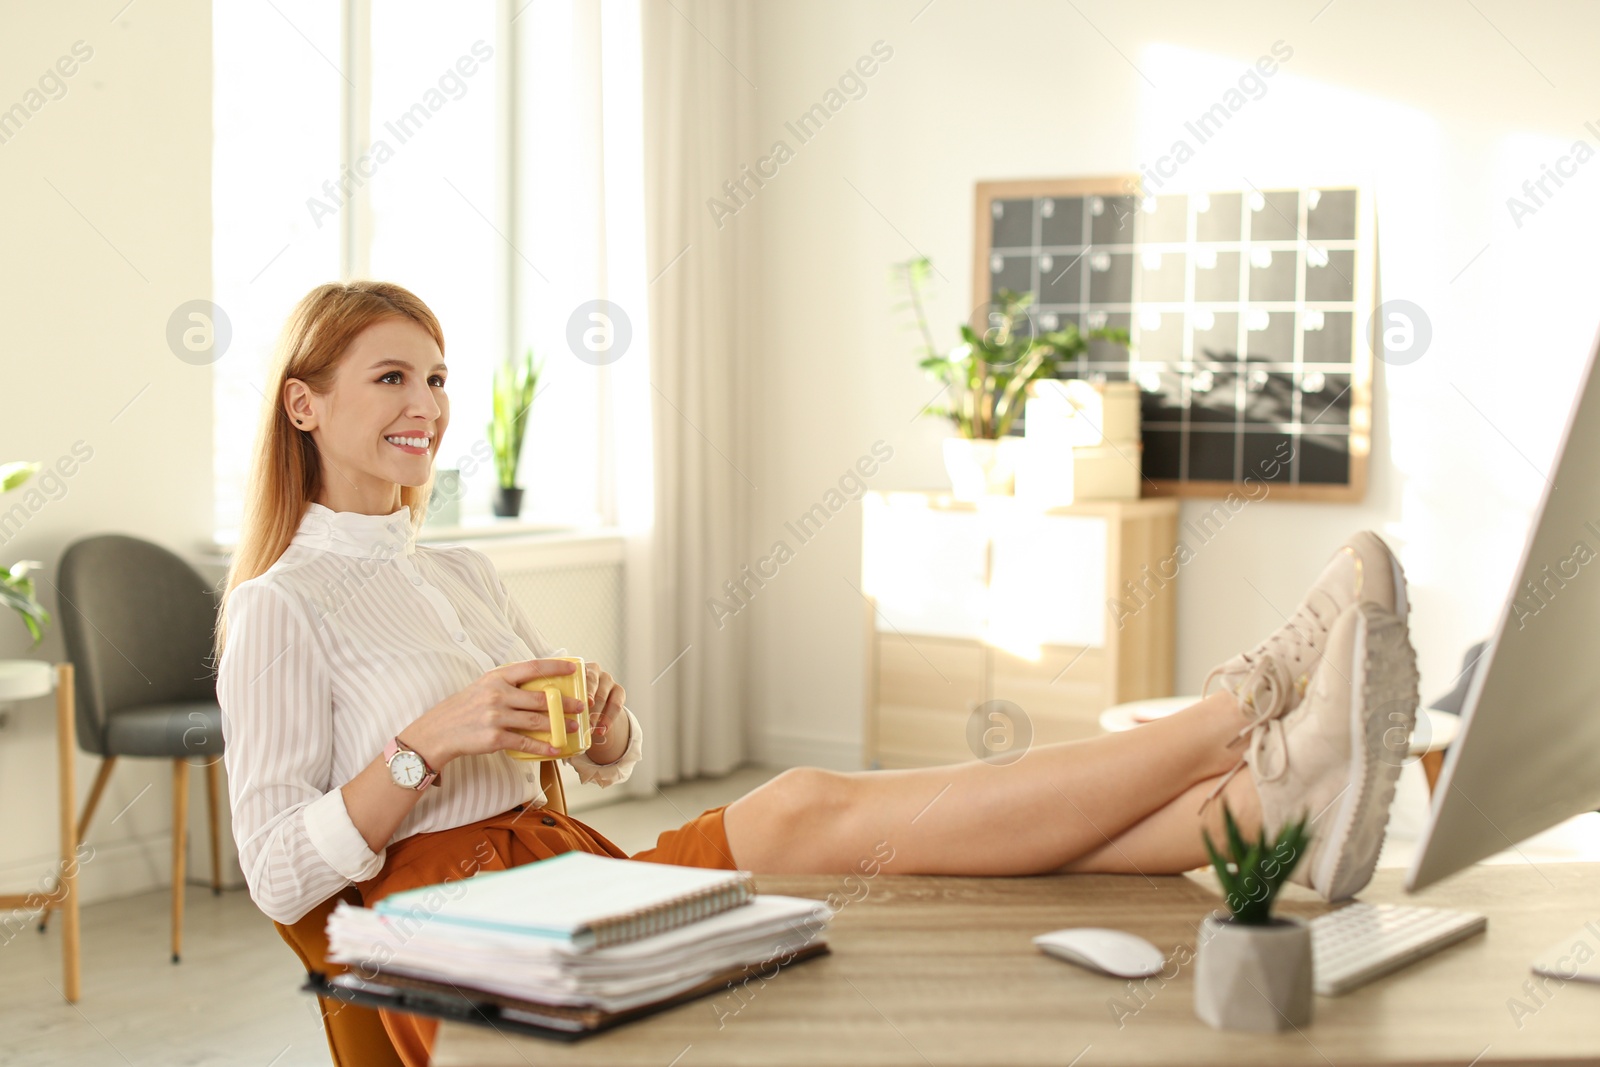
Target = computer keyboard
(1352,946)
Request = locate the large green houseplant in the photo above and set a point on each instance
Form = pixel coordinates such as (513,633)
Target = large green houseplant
(16,588)
(515,385)
(986,376)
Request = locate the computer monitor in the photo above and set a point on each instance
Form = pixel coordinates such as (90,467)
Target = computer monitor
(1528,755)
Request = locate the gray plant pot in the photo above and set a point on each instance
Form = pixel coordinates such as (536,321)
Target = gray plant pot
(1253,977)
(507,503)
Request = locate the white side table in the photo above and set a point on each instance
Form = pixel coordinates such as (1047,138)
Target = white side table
(1433,733)
(27,679)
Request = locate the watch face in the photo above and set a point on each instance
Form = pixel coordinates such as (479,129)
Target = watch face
(406,768)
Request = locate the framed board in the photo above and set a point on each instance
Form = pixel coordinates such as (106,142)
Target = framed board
(1246,311)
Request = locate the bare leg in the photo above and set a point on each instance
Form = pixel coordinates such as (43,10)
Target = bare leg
(1168,841)
(1050,807)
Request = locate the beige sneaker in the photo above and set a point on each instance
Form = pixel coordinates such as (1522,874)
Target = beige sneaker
(1270,679)
(1335,756)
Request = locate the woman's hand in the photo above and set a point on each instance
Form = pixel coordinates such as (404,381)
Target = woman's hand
(480,718)
(605,711)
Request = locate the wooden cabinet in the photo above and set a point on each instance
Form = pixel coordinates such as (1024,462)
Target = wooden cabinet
(992,625)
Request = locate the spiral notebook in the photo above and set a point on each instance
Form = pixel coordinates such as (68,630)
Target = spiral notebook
(579,900)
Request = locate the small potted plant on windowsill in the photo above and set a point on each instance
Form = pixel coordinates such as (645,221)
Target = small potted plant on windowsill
(515,385)
(986,378)
(1252,969)
(16,588)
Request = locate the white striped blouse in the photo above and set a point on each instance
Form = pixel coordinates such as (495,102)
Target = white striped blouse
(351,635)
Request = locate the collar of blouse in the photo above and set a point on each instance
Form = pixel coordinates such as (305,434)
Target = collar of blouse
(350,533)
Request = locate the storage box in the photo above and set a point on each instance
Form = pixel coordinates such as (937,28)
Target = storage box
(1081,443)
(1048,476)
(1111,471)
(1079,414)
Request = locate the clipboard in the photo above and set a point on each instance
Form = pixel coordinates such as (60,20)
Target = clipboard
(442,1000)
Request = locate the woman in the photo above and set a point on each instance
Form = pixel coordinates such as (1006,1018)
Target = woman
(370,690)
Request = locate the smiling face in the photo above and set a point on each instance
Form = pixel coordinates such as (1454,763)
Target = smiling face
(389,385)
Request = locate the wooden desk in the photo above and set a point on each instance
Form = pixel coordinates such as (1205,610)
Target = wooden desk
(933,971)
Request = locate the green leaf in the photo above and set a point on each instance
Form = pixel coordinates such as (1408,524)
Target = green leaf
(14,474)
(1252,873)
(515,385)
(1224,874)
(1291,847)
(18,595)
(1236,843)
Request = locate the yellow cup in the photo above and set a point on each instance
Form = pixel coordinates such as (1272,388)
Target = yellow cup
(570,742)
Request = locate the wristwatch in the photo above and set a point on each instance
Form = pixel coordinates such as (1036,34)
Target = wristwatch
(407,767)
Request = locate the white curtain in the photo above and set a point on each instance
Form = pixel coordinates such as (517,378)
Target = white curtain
(697,102)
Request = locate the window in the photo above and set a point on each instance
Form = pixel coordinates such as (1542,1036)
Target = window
(276,141)
(406,141)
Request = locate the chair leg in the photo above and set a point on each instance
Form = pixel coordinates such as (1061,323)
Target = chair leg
(93,802)
(66,740)
(212,775)
(180,833)
(1432,765)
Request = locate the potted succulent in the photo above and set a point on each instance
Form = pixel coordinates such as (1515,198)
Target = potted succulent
(514,388)
(986,378)
(16,588)
(1252,969)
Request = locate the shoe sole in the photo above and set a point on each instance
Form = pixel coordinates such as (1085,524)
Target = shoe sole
(1402,606)
(1384,707)
(1397,576)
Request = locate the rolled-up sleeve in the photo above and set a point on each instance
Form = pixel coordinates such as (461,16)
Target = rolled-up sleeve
(602,774)
(296,841)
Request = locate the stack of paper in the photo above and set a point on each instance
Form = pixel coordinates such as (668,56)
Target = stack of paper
(530,934)
(615,978)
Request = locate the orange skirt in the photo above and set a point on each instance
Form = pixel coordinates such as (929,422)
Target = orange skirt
(525,834)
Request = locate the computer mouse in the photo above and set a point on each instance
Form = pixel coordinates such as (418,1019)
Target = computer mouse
(1113,952)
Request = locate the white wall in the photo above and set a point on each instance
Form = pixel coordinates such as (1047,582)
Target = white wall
(1427,103)
(107,230)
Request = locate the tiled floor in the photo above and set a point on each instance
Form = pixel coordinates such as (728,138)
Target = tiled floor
(234,999)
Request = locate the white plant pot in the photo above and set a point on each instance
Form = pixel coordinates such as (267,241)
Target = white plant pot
(1253,977)
(980,468)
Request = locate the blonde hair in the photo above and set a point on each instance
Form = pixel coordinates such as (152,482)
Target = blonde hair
(286,473)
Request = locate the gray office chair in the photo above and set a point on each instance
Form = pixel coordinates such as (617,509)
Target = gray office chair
(1452,701)
(137,621)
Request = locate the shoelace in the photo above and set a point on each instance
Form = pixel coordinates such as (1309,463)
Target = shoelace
(1265,688)
(1307,626)
(1304,632)
(1264,693)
